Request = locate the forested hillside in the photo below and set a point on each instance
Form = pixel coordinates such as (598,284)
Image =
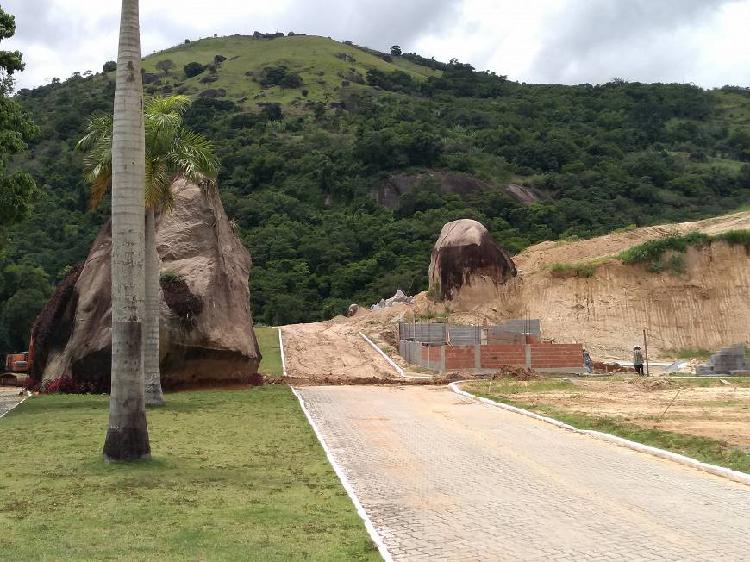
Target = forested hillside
(340,164)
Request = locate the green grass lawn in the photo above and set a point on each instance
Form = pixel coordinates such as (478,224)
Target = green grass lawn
(235,475)
(268,340)
(702,448)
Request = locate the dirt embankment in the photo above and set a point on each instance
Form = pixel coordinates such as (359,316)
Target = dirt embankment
(705,306)
(331,351)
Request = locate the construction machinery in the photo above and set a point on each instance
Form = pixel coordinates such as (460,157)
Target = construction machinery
(16,369)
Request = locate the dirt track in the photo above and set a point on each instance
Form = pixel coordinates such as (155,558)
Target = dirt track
(332,350)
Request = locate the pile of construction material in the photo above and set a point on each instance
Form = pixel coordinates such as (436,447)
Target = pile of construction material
(731,360)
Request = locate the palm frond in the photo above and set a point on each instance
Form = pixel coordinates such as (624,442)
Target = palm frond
(158,193)
(193,156)
(170,105)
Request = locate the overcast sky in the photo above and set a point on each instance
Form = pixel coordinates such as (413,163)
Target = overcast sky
(568,41)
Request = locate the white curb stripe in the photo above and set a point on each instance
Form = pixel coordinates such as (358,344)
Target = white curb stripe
(281,349)
(14,406)
(398,369)
(724,472)
(372,531)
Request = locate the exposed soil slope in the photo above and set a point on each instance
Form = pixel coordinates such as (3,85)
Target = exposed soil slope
(331,350)
(706,306)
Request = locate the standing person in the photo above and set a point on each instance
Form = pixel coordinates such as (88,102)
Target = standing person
(587,363)
(638,360)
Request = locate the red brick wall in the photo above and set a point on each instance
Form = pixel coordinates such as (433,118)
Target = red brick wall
(552,356)
(459,357)
(499,355)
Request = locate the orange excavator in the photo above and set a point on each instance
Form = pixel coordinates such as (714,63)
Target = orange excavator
(17,369)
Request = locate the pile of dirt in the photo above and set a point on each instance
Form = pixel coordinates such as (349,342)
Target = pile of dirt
(648,383)
(602,367)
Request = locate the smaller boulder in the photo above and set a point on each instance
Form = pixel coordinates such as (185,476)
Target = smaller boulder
(465,251)
(352,310)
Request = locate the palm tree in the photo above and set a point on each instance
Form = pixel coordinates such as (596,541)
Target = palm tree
(127,435)
(172,151)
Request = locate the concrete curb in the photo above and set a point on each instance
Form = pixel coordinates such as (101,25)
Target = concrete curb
(16,405)
(371,530)
(391,362)
(735,475)
(281,349)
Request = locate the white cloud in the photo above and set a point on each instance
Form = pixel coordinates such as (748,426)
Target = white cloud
(535,41)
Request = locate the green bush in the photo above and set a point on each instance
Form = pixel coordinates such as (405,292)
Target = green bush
(652,251)
(567,270)
(735,237)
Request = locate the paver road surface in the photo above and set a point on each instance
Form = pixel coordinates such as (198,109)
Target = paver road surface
(9,397)
(444,477)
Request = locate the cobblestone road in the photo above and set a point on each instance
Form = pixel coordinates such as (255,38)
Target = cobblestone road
(8,399)
(446,478)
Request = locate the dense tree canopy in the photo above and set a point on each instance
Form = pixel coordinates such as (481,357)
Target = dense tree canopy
(300,181)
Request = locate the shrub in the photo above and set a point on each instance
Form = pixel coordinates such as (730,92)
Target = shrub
(109,66)
(653,250)
(193,69)
(568,270)
(735,237)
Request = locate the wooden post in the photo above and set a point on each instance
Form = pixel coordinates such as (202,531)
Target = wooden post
(645,350)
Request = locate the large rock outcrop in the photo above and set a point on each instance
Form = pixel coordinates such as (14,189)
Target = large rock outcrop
(206,327)
(466,255)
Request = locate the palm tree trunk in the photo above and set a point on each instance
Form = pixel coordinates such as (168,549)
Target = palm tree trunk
(127,436)
(154,396)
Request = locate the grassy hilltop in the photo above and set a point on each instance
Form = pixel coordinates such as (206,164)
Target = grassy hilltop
(341,164)
(321,63)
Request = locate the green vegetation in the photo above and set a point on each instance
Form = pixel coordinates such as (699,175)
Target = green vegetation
(236,475)
(665,253)
(509,386)
(653,250)
(702,448)
(305,163)
(690,353)
(566,270)
(735,237)
(17,188)
(268,341)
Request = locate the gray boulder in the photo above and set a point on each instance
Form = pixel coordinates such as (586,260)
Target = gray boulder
(206,327)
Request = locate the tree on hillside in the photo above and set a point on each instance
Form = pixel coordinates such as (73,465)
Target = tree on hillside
(165,65)
(193,69)
(396,51)
(17,190)
(127,435)
(172,151)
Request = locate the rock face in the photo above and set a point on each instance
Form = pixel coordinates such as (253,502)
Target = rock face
(388,193)
(466,254)
(206,328)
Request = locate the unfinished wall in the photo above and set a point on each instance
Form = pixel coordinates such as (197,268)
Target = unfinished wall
(544,357)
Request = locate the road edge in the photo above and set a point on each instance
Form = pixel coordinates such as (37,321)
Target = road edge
(338,469)
(734,475)
(16,405)
(281,350)
(385,356)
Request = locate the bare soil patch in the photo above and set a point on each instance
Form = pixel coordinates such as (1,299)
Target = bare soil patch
(719,412)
